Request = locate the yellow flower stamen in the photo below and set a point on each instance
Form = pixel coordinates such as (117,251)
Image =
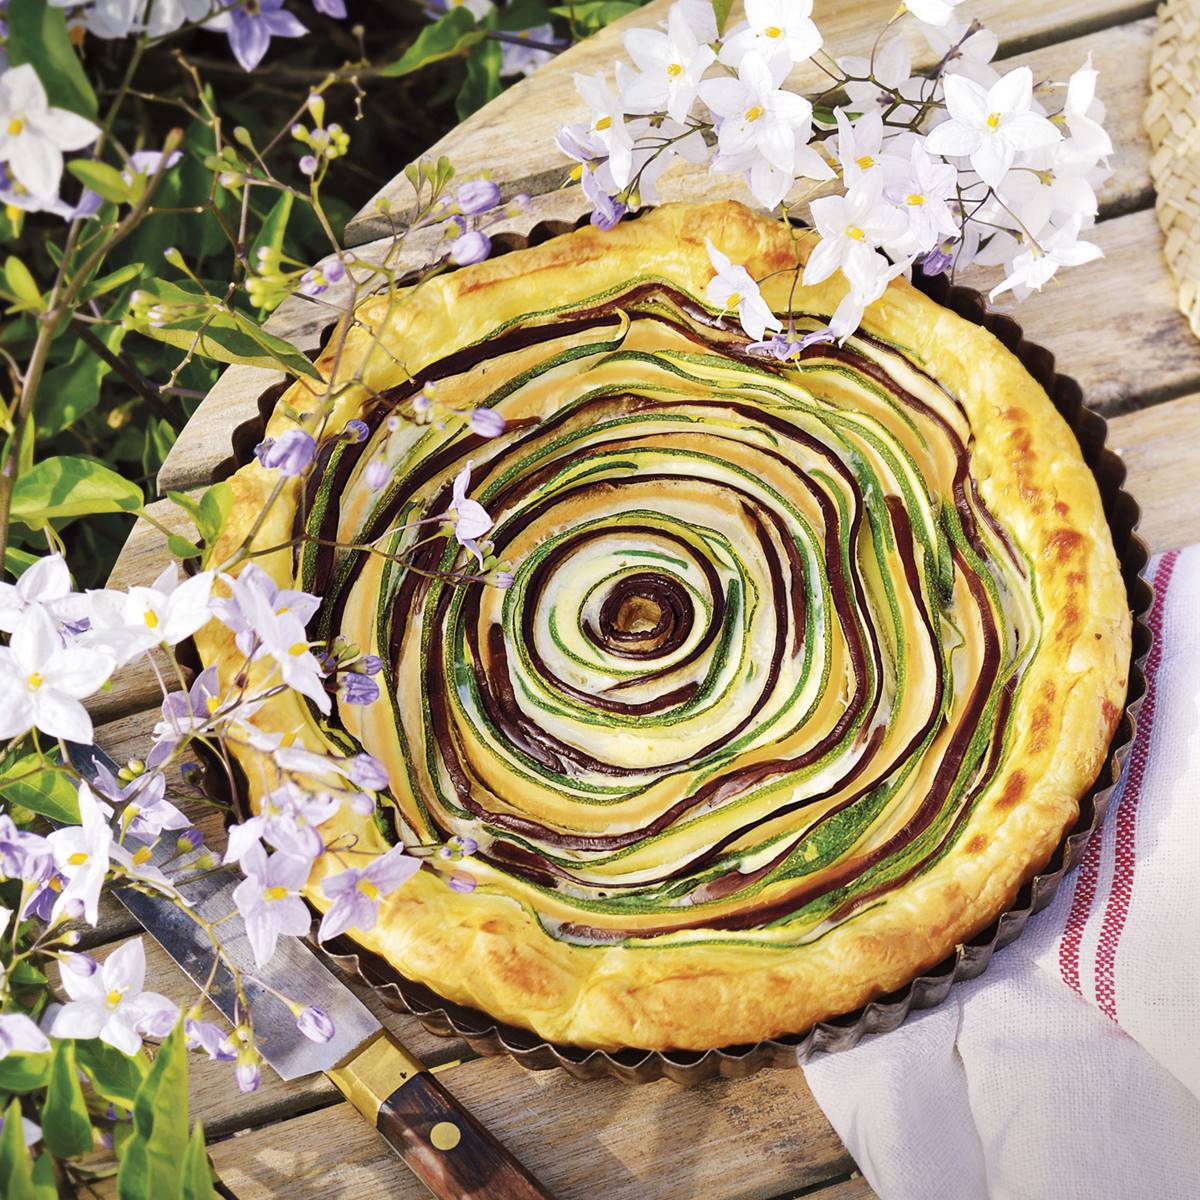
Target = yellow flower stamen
(77,859)
(113,998)
(734,300)
(35,681)
(753,113)
(368,889)
(993,121)
(275,893)
(773,31)
(141,856)
(914,199)
(675,70)
(603,124)
(212,704)
(866,162)
(297,648)
(853,231)
(15,126)
(151,618)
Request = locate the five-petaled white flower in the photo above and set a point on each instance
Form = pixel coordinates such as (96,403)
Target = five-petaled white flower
(471,520)
(607,125)
(852,228)
(81,854)
(166,612)
(671,65)
(110,1004)
(1082,114)
(733,289)
(922,195)
(42,681)
(932,12)
(861,147)
(991,126)
(774,29)
(45,584)
(281,637)
(34,133)
(1037,265)
(269,899)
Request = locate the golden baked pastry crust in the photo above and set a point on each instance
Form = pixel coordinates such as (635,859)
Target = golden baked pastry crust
(703,987)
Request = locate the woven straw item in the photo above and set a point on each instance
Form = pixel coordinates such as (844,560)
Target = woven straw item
(1173,122)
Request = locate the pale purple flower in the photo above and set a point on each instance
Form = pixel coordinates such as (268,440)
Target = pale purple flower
(936,262)
(81,854)
(111,1005)
(148,812)
(183,712)
(247,593)
(477,195)
(146,162)
(471,520)
(470,248)
(576,142)
(188,840)
(41,903)
(367,772)
(19,1035)
(358,689)
(487,422)
(503,580)
(377,474)
(79,964)
(204,1035)
(782,347)
(356,430)
(331,8)
(23,855)
(523,58)
(462,883)
(607,210)
(317,279)
(290,454)
(251,26)
(316,1024)
(269,900)
(356,892)
(370,664)
(288,822)
(247,1074)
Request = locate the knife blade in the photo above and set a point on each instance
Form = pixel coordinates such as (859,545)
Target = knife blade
(445,1147)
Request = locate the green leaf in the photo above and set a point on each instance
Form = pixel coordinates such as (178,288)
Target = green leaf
(18,561)
(71,487)
(21,1073)
(519,15)
(115,1076)
(483,78)
(721,12)
(37,34)
(455,32)
(113,279)
(101,178)
(66,1129)
(152,1164)
(227,336)
(274,227)
(45,791)
(45,1185)
(181,547)
(22,284)
(197,1174)
(16,1176)
(591,15)
(72,389)
(160,437)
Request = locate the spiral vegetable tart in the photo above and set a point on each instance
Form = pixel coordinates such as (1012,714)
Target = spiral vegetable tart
(802,672)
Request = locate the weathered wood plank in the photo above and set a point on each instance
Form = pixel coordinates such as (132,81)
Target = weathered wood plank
(511,138)
(748,1139)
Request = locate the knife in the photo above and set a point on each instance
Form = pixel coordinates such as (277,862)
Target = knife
(443,1145)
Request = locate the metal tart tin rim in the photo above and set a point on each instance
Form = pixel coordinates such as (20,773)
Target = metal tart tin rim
(487,1036)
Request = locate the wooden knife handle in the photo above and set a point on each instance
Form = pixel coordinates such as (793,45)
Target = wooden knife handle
(443,1145)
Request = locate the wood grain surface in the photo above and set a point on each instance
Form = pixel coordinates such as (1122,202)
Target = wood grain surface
(1113,324)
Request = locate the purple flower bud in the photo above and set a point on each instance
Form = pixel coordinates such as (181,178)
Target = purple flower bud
(468,845)
(357,431)
(504,579)
(370,664)
(188,840)
(472,247)
(377,474)
(315,1024)
(331,8)
(83,965)
(521,201)
(361,803)
(290,454)
(333,269)
(367,772)
(936,262)
(308,165)
(478,195)
(359,689)
(462,883)
(248,1076)
(487,422)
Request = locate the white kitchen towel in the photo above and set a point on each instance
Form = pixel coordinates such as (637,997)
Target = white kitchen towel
(1069,1070)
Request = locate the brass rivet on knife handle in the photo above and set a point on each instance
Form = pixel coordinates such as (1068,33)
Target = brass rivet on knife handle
(373,1073)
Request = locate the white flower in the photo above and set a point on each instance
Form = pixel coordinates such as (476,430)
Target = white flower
(670,67)
(755,114)
(1034,267)
(471,520)
(108,18)
(773,29)
(42,681)
(607,125)
(700,16)
(269,900)
(1082,114)
(991,126)
(81,854)
(861,149)
(281,637)
(46,585)
(922,195)
(732,288)
(110,1003)
(852,227)
(848,315)
(34,134)
(165,613)
(524,60)
(932,12)
(168,15)
(19,1035)
(893,71)
(962,54)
